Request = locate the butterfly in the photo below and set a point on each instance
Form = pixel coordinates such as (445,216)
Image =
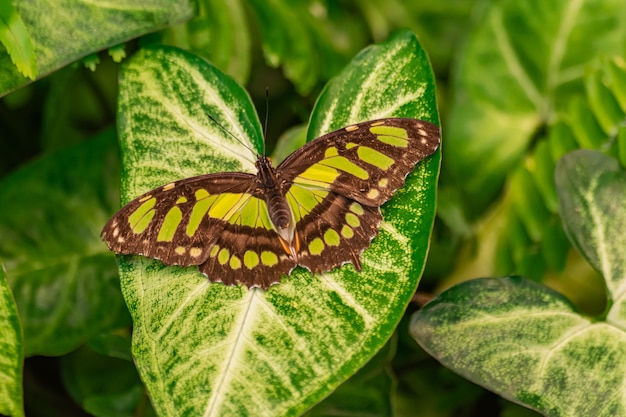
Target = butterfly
(318,209)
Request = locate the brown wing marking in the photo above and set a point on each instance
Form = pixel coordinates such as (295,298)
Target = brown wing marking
(335,232)
(248,256)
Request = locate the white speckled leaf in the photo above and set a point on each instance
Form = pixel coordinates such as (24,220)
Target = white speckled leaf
(527,343)
(211,350)
(592,195)
(11,352)
(63,31)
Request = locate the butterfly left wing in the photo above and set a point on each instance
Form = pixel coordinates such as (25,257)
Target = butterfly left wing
(216,221)
(336,183)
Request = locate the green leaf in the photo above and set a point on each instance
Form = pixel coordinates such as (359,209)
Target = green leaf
(255,352)
(593,118)
(104,386)
(528,344)
(366,393)
(288,142)
(219,32)
(592,192)
(520,68)
(94,27)
(377,86)
(15,38)
(63,278)
(114,345)
(286,40)
(11,353)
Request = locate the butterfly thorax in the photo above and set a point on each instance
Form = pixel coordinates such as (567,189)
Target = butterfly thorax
(271,189)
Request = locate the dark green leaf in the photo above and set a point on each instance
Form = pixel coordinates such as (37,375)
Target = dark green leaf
(64,280)
(104,386)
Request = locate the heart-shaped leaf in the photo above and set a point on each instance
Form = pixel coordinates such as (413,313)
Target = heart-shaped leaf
(208,349)
(592,193)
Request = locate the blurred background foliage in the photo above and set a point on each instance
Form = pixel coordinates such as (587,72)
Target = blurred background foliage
(519,84)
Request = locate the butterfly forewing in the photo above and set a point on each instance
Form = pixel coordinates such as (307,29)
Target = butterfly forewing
(366,162)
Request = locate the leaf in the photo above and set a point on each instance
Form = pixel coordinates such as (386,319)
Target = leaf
(210,349)
(520,68)
(15,38)
(11,353)
(287,43)
(531,238)
(366,393)
(288,142)
(219,32)
(94,26)
(104,386)
(63,278)
(528,344)
(592,192)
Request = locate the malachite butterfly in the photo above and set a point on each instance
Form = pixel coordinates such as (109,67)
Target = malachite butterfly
(318,209)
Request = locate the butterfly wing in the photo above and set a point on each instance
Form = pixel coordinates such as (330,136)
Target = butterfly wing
(216,221)
(337,182)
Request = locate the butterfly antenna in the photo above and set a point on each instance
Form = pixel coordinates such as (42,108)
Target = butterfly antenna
(231,135)
(267,116)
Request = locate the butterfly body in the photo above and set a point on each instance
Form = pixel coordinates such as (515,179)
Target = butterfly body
(318,209)
(272,190)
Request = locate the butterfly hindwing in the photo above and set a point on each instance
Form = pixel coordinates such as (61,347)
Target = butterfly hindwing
(249,256)
(336,232)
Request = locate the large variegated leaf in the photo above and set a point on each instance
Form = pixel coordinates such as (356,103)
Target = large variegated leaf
(63,31)
(208,349)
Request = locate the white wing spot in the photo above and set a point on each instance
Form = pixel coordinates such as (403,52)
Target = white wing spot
(373,193)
